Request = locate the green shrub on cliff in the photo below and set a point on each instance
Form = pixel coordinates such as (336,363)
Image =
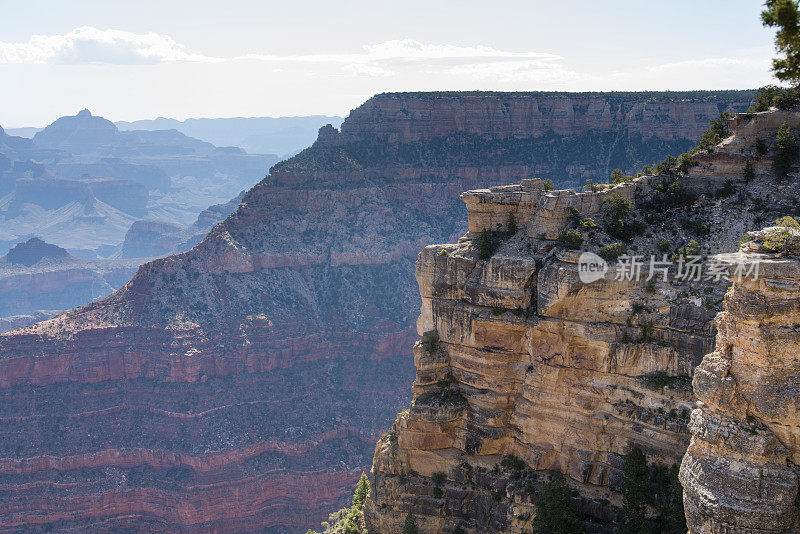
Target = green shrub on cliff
(749,171)
(779,97)
(410,525)
(349,520)
(785,238)
(651,488)
(785,151)
(717,132)
(511,224)
(486,242)
(612,252)
(618,177)
(619,221)
(556,511)
(788,222)
(570,239)
(727,189)
(634,493)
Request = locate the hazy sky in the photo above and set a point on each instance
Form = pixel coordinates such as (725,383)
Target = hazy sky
(180,58)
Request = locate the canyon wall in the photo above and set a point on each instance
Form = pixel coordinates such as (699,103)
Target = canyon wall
(740,472)
(523,368)
(241,385)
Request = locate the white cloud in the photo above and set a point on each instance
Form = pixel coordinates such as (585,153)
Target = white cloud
(714,63)
(526,71)
(464,65)
(91,45)
(94,46)
(410,50)
(384,59)
(366,69)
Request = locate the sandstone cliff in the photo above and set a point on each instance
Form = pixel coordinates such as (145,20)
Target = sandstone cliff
(241,385)
(522,368)
(740,472)
(566,137)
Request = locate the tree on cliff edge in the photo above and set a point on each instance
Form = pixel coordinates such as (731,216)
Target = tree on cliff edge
(785,16)
(556,512)
(362,490)
(635,493)
(349,520)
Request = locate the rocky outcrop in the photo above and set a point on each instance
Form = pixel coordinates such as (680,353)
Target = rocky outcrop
(492,137)
(159,238)
(291,324)
(147,239)
(408,117)
(740,472)
(38,279)
(51,194)
(86,199)
(34,251)
(523,367)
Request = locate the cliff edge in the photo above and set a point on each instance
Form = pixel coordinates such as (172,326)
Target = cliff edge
(740,472)
(526,366)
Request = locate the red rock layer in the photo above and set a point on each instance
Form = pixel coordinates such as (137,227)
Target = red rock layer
(405,117)
(240,386)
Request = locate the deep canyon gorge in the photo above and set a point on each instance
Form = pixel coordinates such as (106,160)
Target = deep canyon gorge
(242,385)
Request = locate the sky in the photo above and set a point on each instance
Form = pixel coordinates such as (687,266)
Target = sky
(181,59)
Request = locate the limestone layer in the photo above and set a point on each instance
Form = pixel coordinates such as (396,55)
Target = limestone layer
(739,473)
(524,368)
(241,386)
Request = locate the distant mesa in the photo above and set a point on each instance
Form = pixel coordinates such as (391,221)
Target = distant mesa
(79,133)
(33,251)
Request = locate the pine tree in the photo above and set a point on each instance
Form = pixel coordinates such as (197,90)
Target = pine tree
(785,150)
(635,492)
(486,243)
(511,225)
(556,512)
(410,526)
(362,490)
(668,495)
(785,16)
(749,171)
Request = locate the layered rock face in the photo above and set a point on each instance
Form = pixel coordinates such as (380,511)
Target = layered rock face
(409,117)
(507,136)
(524,368)
(241,385)
(38,279)
(81,183)
(740,472)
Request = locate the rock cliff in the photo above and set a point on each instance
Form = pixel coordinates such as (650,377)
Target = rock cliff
(242,385)
(522,367)
(566,137)
(740,472)
(38,279)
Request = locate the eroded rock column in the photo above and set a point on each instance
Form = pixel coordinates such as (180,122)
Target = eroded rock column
(740,471)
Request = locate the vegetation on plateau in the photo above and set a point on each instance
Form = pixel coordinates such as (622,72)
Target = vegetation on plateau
(784,238)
